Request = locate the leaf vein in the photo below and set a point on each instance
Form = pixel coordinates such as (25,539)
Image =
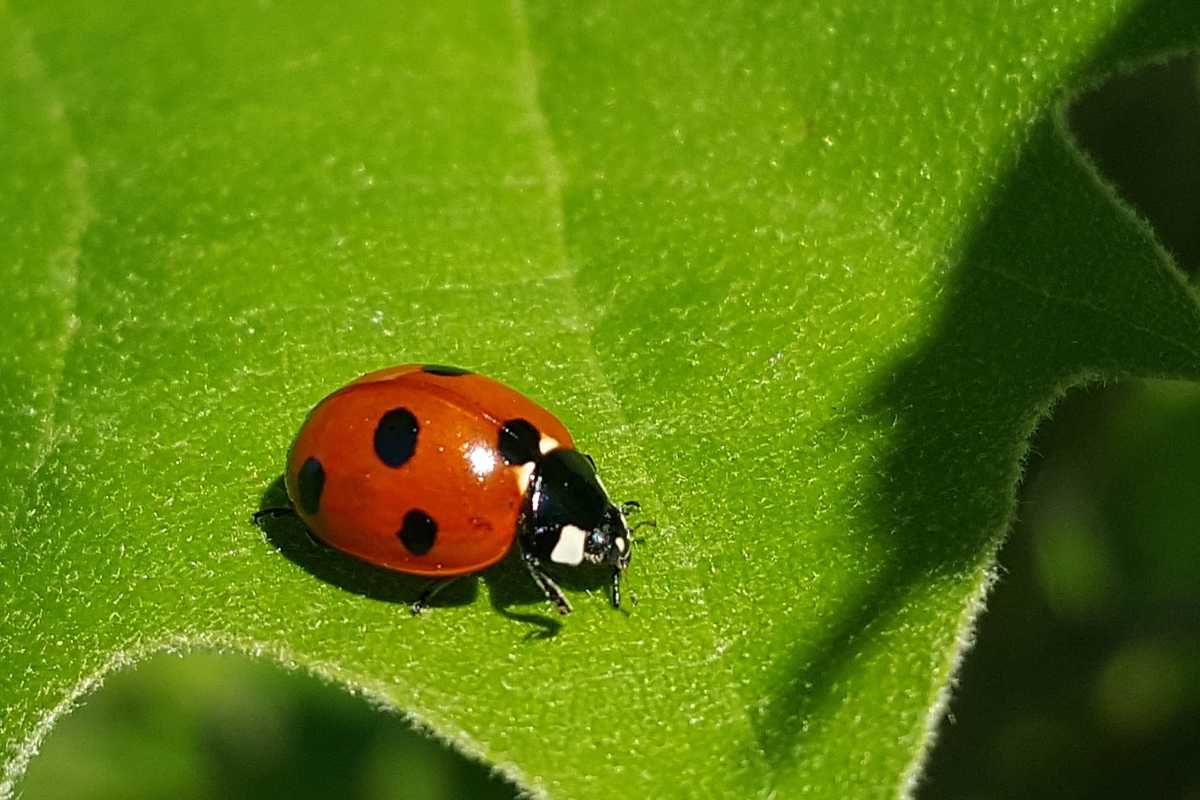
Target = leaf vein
(1081,302)
(67,258)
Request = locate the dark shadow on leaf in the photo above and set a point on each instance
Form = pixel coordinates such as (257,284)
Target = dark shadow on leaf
(509,585)
(289,536)
(1014,330)
(508,582)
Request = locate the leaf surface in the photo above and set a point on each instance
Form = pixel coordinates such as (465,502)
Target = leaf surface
(802,278)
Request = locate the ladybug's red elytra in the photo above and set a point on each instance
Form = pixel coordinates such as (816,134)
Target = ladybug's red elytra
(434,470)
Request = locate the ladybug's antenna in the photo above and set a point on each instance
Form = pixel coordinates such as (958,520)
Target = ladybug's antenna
(646,523)
(631,507)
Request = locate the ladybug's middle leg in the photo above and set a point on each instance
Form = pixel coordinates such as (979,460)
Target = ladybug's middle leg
(431,591)
(548,587)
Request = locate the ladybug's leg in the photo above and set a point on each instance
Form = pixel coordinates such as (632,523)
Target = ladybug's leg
(274,511)
(548,587)
(287,511)
(431,591)
(630,507)
(315,541)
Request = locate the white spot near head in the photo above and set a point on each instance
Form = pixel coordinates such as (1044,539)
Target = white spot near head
(524,473)
(482,461)
(569,549)
(547,444)
(620,540)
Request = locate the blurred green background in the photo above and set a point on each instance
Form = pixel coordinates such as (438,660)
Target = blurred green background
(1084,682)
(1085,677)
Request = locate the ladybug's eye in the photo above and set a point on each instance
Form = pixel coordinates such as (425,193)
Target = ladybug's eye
(596,541)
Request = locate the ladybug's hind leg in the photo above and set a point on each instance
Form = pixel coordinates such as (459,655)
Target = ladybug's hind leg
(548,587)
(273,513)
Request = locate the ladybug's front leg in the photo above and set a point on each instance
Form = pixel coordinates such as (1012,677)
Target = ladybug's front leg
(549,587)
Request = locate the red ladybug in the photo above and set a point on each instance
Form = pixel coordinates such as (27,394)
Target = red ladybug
(433,470)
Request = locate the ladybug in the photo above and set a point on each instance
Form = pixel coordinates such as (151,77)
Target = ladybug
(433,470)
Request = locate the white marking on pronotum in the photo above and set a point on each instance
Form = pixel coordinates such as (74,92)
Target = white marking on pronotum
(524,473)
(569,549)
(547,444)
(620,540)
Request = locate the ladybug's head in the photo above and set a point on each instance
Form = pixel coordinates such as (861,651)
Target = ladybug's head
(573,520)
(609,543)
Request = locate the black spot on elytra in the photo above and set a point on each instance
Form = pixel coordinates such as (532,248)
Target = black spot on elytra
(396,437)
(445,371)
(310,482)
(418,533)
(518,441)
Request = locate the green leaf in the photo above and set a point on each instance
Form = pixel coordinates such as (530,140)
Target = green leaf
(802,278)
